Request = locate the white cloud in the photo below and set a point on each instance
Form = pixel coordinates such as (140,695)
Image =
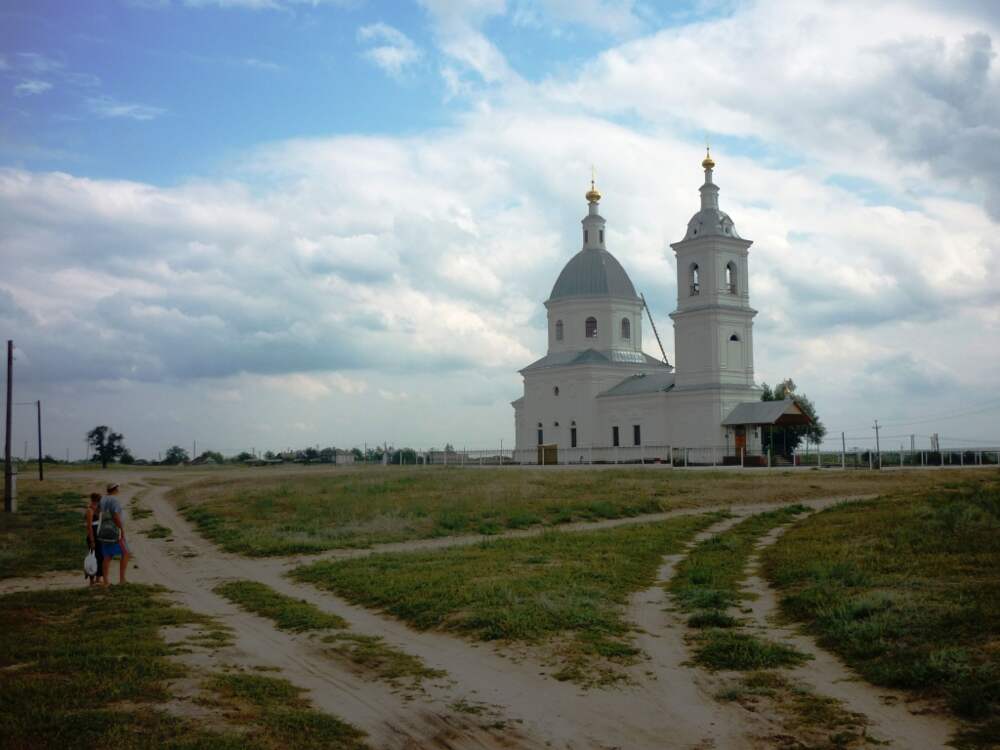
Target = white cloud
(106,106)
(334,271)
(456,28)
(31,87)
(392,50)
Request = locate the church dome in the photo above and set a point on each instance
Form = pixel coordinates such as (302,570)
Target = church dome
(711,221)
(593,272)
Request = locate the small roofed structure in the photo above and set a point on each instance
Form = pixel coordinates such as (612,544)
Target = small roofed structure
(747,420)
(786,413)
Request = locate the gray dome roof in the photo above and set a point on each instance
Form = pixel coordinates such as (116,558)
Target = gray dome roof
(711,221)
(593,273)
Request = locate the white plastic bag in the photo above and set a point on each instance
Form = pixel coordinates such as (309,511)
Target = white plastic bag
(90,564)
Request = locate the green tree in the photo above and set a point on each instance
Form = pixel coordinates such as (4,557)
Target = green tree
(243,457)
(126,457)
(107,445)
(214,456)
(175,455)
(787,439)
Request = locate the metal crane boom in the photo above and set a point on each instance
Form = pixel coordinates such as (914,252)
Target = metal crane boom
(655,332)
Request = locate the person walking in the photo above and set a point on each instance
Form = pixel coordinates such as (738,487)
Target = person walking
(111,533)
(93,518)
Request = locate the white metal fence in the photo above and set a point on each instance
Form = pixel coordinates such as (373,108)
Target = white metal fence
(680,456)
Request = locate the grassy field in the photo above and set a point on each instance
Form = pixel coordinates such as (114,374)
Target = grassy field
(907,591)
(707,582)
(254,512)
(47,533)
(568,589)
(85,669)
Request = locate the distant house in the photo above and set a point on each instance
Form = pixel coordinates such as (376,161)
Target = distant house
(344,458)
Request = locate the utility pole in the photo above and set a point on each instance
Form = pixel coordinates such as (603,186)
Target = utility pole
(41,474)
(194,449)
(8,479)
(843,451)
(877,449)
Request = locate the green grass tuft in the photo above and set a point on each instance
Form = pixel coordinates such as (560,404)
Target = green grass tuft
(726,649)
(287,612)
(372,654)
(159,532)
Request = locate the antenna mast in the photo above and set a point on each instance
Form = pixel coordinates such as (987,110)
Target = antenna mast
(655,332)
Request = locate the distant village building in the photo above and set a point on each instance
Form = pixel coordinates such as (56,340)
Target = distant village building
(597,389)
(344,458)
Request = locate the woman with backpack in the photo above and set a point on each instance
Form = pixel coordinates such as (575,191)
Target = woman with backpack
(111,533)
(93,519)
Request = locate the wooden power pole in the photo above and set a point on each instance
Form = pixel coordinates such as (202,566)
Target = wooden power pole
(8,478)
(41,473)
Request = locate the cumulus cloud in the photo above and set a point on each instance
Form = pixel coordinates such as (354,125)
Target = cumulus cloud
(329,272)
(391,49)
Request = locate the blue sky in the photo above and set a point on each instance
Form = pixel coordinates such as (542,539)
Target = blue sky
(263,223)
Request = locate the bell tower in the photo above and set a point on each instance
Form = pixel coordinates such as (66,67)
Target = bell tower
(713,322)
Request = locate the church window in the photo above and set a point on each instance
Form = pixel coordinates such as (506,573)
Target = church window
(590,328)
(695,280)
(602,236)
(540,438)
(572,437)
(559,330)
(731,277)
(614,436)
(586,236)
(626,329)
(734,337)
(636,435)
(555,391)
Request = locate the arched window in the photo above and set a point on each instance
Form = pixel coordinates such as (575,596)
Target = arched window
(731,277)
(626,329)
(602,235)
(695,279)
(559,330)
(734,337)
(590,328)
(586,236)
(555,390)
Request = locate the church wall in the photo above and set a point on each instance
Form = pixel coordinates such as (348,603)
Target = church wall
(577,402)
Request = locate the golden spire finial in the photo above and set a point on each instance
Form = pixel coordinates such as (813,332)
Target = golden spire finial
(708,162)
(593,195)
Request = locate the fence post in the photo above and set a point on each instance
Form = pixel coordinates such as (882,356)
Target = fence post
(715,456)
(591,461)
(687,457)
(962,457)
(769,456)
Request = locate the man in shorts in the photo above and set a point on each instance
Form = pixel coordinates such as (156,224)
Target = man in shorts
(110,505)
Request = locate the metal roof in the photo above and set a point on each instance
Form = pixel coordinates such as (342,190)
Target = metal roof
(593,272)
(611,358)
(767,412)
(643,383)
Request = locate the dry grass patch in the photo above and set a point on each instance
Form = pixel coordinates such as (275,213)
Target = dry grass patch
(253,512)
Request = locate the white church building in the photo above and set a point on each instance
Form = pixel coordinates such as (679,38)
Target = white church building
(596,395)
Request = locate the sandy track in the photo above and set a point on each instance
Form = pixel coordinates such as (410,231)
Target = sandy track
(892,715)
(392,718)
